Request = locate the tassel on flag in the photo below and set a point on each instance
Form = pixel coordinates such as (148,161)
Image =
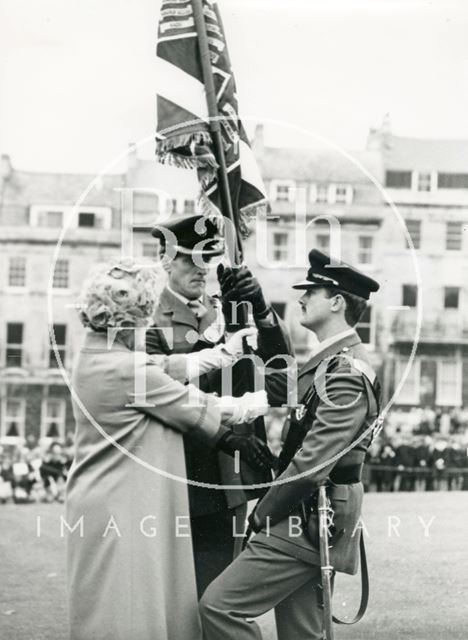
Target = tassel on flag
(183,133)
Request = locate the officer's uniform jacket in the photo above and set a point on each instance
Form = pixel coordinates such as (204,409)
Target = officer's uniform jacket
(189,334)
(346,408)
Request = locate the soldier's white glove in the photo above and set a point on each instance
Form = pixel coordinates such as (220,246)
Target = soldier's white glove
(234,341)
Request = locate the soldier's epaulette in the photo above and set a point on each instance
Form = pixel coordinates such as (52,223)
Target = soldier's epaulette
(357,364)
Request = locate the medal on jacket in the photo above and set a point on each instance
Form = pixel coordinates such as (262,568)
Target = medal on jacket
(215,331)
(378,426)
(300,412)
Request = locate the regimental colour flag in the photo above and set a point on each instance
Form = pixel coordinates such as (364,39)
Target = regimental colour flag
(182,137)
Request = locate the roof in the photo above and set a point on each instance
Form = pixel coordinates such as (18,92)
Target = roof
(28,187)
(150,174)
(317,165)
(449,156)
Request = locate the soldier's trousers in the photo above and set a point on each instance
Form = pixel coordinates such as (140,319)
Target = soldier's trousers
(213,543)
(260,579)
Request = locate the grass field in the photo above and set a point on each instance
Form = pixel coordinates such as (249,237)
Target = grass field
(419,584)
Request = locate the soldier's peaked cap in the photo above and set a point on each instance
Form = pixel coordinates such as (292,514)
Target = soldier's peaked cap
(195,234)
(329,272)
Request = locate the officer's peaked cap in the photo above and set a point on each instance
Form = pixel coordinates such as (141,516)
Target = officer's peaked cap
(195,234)
(330,272)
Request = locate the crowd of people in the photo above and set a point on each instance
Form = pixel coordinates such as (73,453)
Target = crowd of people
(439,421)
(34,472)
(417,450)
(412,453)
(423,449)
(417,463)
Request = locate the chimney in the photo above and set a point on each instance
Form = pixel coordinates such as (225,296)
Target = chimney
(132,157)
(6,168)
(386,126)
(380,139)
(258,142)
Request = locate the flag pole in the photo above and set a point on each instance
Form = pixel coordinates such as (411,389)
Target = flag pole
(223,182)
(215,124)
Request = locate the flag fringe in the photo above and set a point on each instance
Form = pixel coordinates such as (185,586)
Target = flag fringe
(209,209)
(249,213)
(189,151)
(192,151)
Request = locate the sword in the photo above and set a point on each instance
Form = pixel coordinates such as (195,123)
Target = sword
(325,512)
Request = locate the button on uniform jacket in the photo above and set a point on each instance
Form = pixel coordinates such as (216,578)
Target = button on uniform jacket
(346,409)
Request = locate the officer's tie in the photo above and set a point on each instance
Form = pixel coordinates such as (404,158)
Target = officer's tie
(198,308)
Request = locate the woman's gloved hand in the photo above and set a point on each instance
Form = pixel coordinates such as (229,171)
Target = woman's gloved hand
(238,411)
(251,449)
(244,409)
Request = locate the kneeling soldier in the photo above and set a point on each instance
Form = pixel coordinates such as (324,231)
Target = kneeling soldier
(325,441)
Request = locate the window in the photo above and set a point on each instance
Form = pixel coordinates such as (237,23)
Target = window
(453,236)
(340,194)
(424,181)
(409,295)
(95,218)
(47,216)
(343,194)
(60,333)
(449,383)
(414,229)
(13,418)
(86,219)
(322,193)
(365,252)
(14,346)
(50,219)
(60,280)
(322,241)
(145,202)
(452,180)
(150,249)
(280,247)
(282,190)
(410,392)
(53,418)
(189,207)
(282,193)
(398,179)
(451,297)
(364,327)
(172,205)
(17,271)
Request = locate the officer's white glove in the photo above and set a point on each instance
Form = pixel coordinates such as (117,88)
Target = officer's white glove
(234,341)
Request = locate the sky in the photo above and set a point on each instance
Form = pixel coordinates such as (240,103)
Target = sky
(78,80)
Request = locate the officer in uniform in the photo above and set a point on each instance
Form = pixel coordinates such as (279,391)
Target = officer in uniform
(325,442)
(188,320)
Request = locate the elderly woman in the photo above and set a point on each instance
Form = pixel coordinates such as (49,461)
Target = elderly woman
(131,574)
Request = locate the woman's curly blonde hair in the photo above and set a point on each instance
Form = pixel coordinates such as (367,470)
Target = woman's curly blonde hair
(120,294)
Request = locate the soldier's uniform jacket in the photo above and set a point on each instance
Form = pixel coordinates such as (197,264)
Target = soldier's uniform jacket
(188,334)
(332,421)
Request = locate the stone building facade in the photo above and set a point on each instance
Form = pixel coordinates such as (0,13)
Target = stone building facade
(361,204)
